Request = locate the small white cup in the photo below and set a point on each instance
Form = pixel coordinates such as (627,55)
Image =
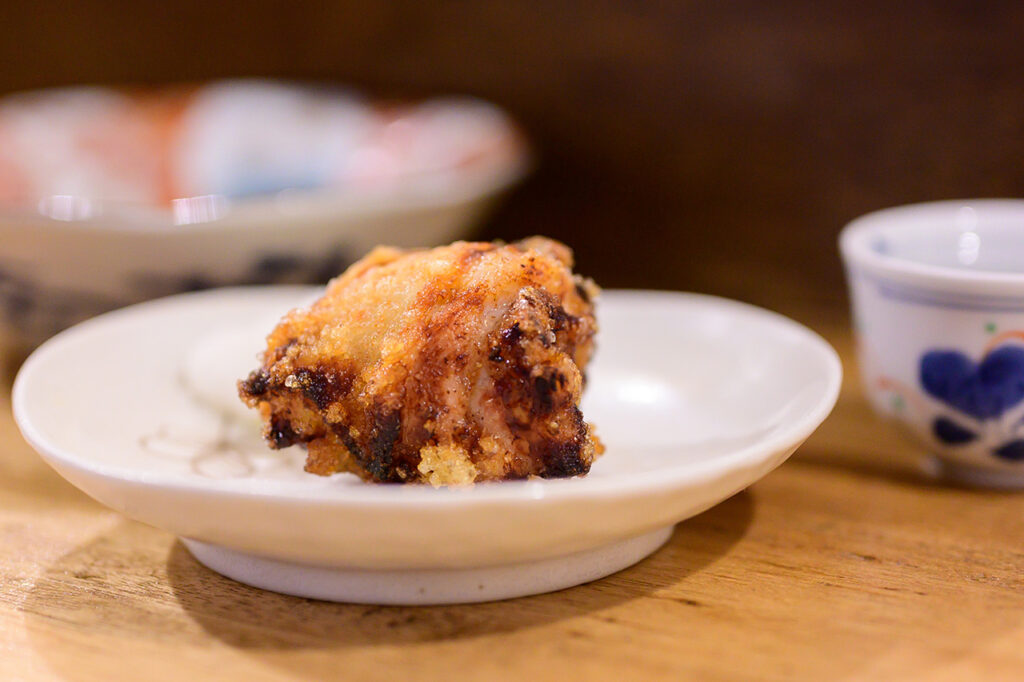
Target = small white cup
(938,309)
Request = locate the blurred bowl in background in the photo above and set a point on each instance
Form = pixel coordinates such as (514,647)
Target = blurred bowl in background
(938,307)
(108,198)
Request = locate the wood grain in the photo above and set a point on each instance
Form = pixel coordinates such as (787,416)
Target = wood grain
(844,564)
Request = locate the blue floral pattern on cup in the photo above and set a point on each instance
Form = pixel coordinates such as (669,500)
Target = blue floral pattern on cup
(980,393)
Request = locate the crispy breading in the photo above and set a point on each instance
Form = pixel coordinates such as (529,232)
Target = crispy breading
(451,365)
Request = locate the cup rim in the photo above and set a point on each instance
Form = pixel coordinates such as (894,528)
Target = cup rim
(857,253)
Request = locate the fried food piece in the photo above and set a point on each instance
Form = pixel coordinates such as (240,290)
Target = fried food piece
(446,366)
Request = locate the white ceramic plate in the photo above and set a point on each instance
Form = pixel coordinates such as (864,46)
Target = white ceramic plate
(695,398)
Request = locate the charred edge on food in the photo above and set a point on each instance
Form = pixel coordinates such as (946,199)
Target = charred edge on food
(282,350)
(562,458)
(256,384)
(379,461)
(508,338)
(343,432)
(378,455)
(545,388)
(280,433)
(560,319)
(516,384)
(324,385)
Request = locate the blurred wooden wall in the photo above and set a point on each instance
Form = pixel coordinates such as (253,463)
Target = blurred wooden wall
(713,146)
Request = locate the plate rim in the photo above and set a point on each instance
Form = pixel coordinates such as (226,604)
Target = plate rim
(627,484)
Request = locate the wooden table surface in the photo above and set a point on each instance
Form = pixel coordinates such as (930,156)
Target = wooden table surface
(844,564)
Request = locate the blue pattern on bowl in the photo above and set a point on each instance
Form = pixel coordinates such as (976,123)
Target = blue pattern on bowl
(983,391)
(40,311)
(951,433)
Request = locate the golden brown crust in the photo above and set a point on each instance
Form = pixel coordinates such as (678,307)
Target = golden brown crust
(444,366)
